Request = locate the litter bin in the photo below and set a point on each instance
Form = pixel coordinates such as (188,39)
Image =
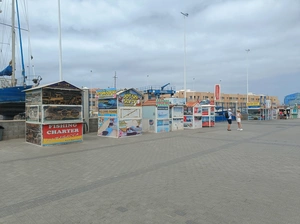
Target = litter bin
(1,132)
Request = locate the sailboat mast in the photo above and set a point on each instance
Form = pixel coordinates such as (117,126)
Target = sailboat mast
(21,46)
(13,47)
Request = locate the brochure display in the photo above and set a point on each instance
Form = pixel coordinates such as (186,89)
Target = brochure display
(53,114)
(119,113)
(176,113)
(208,115)
(192,115)
(156,116)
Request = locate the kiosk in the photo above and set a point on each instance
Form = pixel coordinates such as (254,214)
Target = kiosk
(254,111)
(192,115)
(208,115)
(176,113)
(119,113)
(53,114)
(156,116)
(294,111)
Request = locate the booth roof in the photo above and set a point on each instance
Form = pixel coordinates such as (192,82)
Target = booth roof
(150,103)
(51,84)
(191,104)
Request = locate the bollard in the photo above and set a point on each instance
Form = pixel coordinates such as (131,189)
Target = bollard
(1,133)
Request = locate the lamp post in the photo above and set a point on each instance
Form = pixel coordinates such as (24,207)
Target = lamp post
(147,81)
(247,50)
(60,48)
(193,88)
(184,44)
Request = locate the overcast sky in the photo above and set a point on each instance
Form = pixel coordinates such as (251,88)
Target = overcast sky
(143,42)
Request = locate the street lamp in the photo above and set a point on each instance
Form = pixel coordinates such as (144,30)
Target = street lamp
(184,44)
(147,81)
(247,50)
(193,89)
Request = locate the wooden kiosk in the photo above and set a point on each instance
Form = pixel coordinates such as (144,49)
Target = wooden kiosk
(156,116)
(54,114)
(119,113)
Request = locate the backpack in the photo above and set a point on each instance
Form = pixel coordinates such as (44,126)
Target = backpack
(226,114)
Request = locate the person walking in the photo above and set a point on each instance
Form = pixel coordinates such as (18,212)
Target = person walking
(239,120)
(229,119)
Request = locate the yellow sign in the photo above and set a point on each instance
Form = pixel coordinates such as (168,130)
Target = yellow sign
(253,104)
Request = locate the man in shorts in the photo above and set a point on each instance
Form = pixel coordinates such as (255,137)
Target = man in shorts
(229,119)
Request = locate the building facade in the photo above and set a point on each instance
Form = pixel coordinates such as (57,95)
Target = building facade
(227,99)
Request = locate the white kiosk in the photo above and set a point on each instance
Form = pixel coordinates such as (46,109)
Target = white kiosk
(156,116)
(192,115)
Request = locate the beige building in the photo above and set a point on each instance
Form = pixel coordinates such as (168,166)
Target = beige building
(93,102)
(229,99)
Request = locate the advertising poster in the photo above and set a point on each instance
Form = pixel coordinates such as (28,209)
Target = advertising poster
(188,118)
(62,133)
(107,113)
(176,101)
(129,98)
(177,111)
(217,91)
(63,97)
(205,111)
(188,111)
(197,110)
(205,121)
(162,103)
(177,124)
(32,113)
(131,127)
(162,112)
(107,103)
(131,112)
(108,127)
(163,125)
(106,93)
(62,112)
(152,125)
(33,133)
(197,122)
(33,97)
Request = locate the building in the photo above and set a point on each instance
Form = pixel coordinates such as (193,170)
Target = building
(93,105)
(227,99)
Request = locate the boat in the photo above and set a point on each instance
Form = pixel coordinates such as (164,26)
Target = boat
(12,95)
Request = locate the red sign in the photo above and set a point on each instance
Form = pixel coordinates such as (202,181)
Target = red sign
(217,91)
(61,133)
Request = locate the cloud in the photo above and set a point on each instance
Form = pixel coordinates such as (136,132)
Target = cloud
(144,38)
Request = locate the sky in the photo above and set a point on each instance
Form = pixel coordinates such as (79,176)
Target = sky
(142,42)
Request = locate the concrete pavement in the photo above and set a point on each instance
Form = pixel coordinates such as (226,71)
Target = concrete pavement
(206,175)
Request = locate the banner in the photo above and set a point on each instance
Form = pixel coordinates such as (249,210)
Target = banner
(217,92)
(62,133)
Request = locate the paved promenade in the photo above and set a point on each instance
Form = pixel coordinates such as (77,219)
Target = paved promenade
(207,175)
